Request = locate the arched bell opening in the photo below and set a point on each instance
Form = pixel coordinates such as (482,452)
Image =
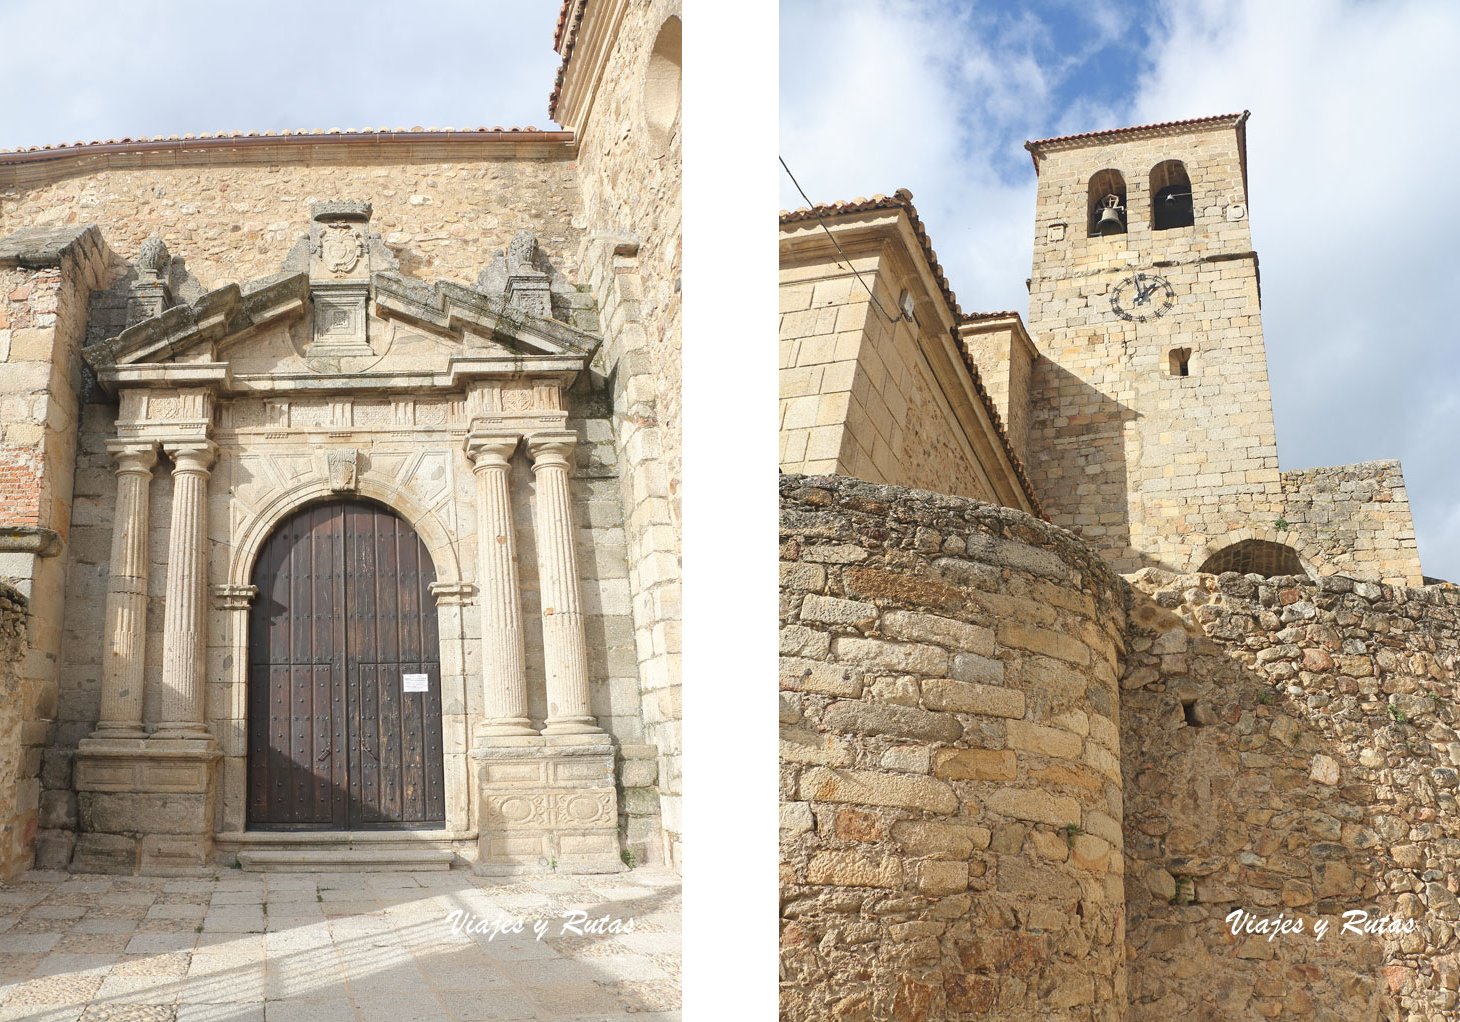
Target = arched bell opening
(1106,204)
(1171,199)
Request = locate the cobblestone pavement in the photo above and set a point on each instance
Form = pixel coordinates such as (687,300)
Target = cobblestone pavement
(337,947)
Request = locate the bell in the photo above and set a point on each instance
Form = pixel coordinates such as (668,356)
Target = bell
(1109,221)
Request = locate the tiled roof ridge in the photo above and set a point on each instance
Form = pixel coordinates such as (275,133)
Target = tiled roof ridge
(979,317)
(216,140)
(567,51)
(311,133)
(900,199)
(1238,118)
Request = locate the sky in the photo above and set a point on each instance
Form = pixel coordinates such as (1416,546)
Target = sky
(163,67)
(1353,156)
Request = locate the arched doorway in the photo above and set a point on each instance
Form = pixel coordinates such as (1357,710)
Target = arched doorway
(344,675)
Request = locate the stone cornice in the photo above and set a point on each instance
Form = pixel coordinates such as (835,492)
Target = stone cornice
(227,312)
(143,354)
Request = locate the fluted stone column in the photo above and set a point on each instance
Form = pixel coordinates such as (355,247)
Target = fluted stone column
(504,664)
(187,594)
(565,650)
(124,652)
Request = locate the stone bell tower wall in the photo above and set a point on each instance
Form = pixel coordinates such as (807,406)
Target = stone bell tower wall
(950,761)
(1147,465)
(1291,747)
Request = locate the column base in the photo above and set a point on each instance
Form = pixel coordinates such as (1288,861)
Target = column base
(547,804)
(184,730)
(145,806)
(506,726)
(572,726)
(110,731)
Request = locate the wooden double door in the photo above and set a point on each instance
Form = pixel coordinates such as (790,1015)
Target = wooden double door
(344,676)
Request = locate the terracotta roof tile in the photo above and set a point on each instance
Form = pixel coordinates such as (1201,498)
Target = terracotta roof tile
(979,317)
(567,51)
(562,23)
(1043,143)
(141,142)
(902,199)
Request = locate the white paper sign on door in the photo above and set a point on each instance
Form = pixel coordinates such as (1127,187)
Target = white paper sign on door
(415,683)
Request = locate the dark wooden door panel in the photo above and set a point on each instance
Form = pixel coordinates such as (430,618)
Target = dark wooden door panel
(344,613)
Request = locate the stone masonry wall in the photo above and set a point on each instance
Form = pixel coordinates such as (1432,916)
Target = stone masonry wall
(629,172)
(1357,517)
(859,394)
(950,762)
(1291,747)
(1147,466)
(15,853)
(630,178)
(822,319)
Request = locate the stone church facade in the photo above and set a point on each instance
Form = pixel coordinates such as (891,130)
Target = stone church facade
(1071,671)
(339,488)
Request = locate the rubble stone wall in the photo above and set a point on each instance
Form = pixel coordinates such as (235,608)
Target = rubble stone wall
(229,219)
(14,850)
(1291,748)
(950,761)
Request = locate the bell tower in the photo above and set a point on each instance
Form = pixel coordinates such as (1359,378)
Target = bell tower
(1151,426)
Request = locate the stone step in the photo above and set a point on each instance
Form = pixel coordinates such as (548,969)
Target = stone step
(402,857)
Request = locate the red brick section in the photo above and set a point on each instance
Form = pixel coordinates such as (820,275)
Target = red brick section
(22,466)
(20,485)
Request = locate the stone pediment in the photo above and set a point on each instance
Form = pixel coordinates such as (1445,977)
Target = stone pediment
(340,304)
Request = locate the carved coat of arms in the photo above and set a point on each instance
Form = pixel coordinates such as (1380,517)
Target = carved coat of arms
(341,247)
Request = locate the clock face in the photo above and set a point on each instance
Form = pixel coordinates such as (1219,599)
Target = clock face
(1142,297)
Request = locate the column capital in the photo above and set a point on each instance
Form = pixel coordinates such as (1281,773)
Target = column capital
(132,456)
(549,450)
(191,455)
(491,450)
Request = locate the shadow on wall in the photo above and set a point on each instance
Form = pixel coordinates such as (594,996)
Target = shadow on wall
(1079,462)
(1290,752)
